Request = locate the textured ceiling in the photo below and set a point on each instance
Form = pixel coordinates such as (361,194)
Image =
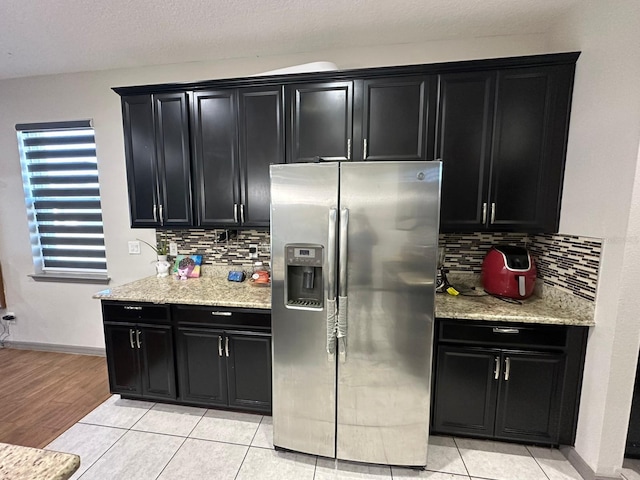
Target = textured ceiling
(40,37)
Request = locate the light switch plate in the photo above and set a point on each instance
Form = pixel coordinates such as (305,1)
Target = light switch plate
(134,247)
(173,249)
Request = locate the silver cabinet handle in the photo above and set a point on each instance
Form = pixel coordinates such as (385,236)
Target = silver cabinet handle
(235,212)
(507,368)
(219,346)
(226,346)
(484,213)
(242,212)
(131,307)
(505,330)
(364,150)
(131,338)
(155,212)
(138,338)
(221,314)
(493,213)
(496,370)
(161,216)
(349,149)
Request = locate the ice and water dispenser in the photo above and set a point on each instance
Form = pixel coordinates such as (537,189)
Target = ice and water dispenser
(304,286)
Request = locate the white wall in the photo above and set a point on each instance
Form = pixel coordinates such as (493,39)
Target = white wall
(601,198)
(65,314)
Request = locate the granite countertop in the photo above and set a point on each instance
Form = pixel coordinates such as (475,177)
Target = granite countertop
(213,288)
(25,463)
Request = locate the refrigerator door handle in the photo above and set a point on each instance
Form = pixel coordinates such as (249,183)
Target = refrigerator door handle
(342,284)
(331,284)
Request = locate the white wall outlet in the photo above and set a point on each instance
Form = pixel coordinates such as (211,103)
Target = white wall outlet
(134,247)
(253,251)
(173,249)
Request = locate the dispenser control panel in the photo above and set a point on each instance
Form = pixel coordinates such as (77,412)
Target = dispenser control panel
(304,255)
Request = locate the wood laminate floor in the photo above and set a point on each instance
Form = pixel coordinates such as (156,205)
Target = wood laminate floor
(42,394)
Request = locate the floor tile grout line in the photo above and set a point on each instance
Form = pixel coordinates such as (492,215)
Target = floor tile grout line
(103,454)
(256,432)
(242,462)
(537,462)
(172,457)
(464,464)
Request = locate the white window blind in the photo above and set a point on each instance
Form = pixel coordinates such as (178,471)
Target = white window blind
(62,193)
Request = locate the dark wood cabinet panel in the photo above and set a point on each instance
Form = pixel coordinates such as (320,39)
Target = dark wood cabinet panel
(261,128)
(201,366)
(215,138)
(173,158)
(397,119)
(465,390)
(139,146)
(530,396)
(249,371)
(320,117)
(155,347)
(122,358)
(464,146)
(529,142)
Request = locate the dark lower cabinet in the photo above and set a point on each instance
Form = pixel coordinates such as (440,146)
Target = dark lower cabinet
(202,371)
(140,360)
(249,370)
(507,381)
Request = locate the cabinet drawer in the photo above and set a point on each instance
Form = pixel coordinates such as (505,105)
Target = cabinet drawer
(128,311)
(502,334)
(221,317)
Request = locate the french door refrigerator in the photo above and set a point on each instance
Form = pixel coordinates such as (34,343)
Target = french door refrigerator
(354,248)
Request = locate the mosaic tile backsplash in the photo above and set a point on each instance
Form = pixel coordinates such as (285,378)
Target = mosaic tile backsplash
(566,262)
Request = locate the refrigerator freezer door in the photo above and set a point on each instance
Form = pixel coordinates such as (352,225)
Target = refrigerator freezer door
(304,375)
(384,379)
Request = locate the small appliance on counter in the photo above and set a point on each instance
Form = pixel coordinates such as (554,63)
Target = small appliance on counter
(508,271)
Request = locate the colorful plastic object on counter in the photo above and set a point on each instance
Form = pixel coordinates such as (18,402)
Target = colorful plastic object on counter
(509,271)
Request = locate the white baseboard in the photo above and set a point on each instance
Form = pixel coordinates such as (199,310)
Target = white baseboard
(52,347)
(581,466)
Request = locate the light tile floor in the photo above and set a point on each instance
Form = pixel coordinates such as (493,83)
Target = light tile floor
(126,439)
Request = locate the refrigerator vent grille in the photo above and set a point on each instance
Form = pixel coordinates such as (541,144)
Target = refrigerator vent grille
(304,303)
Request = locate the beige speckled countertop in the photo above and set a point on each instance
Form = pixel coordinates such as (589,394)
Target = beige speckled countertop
(212,288)
(25,463)
(555,307)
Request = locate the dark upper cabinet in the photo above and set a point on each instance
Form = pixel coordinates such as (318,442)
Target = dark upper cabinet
(320,117)
(502,138)
(397,118)
(372,119)
(261,128)
(236,135)
(156,132)
(215,153)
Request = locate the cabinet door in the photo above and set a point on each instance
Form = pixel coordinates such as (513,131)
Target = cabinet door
(529,397)
(465,390)
(155,344)
(215,154)
(249,370)
(172,153)
(464,145)
(261,128)
(139,148)
(529,141)
(122,358)
(320,120)
(395,116)
(201,366)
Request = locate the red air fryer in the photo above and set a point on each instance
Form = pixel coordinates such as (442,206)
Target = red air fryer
(508,271)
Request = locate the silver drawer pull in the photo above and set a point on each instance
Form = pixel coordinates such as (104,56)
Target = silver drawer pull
(129,307)
(221,314)
(505,330)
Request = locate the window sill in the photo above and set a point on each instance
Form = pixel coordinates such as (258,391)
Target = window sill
(71,278)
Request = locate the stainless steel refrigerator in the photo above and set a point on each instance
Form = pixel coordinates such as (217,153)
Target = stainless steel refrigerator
(354,249)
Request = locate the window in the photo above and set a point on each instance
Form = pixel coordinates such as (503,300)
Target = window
(62,194)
